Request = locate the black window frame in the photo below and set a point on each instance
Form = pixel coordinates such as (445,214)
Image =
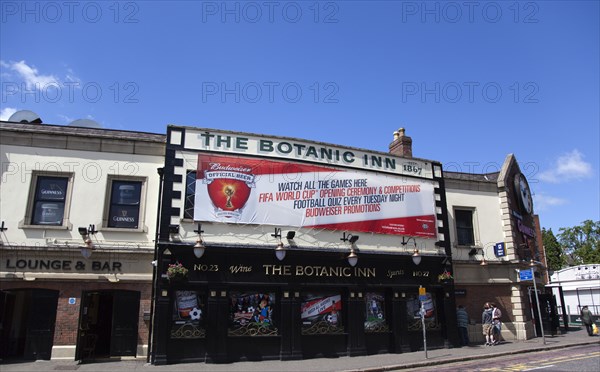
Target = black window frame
(465,227)
(114,203)
(190,192)
(37,213)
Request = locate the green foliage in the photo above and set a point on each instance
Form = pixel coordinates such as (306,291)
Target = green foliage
(555,257)
(582,242)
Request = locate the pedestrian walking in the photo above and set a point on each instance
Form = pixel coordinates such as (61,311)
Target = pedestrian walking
(486,321)
(462,319)
(587,320)
(497,323)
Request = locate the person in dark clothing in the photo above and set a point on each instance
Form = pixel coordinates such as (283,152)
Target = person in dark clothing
(587,320)
(462,320)
(486,321)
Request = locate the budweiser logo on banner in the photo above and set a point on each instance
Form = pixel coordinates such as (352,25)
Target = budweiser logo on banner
(228,188)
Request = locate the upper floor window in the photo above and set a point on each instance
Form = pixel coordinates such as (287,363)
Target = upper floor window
(464,226)
(49,200)
(125,203)
(190,191)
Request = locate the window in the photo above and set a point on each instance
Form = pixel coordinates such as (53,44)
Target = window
(251,314)
(124,208)
(190,191)
(188,315)
(375,310)
(321,313)
(464,226)
(413,312)
(48,203)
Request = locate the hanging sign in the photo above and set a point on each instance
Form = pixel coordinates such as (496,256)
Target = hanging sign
(499,250)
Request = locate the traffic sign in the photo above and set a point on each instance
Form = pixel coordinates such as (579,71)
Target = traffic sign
(526,274)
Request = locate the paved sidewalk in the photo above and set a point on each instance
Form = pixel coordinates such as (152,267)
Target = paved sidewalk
(372,363)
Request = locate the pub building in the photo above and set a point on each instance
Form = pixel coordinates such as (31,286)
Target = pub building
(281,248)
(78,216)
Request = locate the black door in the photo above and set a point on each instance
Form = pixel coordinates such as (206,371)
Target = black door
(549,314)
(126,307)
(39,336)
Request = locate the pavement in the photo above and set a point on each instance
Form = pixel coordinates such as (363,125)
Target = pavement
(371,363)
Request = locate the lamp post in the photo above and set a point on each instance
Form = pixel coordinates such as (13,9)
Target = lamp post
(532,265)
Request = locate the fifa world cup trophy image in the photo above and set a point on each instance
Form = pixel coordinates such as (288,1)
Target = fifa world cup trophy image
(229,190)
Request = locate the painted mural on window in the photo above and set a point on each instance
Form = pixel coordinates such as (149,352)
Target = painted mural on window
(375,313)
(251,314)
(188,315)
(321,313)
(413,308)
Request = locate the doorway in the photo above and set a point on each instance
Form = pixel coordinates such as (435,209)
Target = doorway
(108,324)
(27,319)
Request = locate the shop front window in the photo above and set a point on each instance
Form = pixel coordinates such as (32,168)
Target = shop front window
(321,313)
(188,315)
(375,309)
(251,314)
(413,312)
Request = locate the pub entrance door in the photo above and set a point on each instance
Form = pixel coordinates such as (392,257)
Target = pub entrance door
(108,324)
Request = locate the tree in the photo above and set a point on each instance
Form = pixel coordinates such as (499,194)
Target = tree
(581,242)
(555,257)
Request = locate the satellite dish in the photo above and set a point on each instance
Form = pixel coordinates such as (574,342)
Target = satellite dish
(25,117)
(85,123)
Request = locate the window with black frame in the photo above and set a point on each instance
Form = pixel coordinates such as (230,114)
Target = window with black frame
(188,315)
(375,320)
(125,200)
(251,314)
(190,191)
(321,313)
(49,200)
(464,227)
(413,312)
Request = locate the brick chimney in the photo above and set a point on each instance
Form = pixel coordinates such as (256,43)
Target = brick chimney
(402,144)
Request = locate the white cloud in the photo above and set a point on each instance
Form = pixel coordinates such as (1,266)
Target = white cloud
(544,202)
(6,113)
(30,75)
(569,166)
(65,118)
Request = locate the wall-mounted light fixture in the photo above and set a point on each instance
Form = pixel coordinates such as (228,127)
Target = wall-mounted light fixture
(199,247)
(85,232)
(352,257)
(280,250)
(475,251)
(416,256)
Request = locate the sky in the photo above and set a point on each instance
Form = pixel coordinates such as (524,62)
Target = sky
(471,81)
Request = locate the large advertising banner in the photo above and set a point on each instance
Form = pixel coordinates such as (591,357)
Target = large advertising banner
(258,191)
